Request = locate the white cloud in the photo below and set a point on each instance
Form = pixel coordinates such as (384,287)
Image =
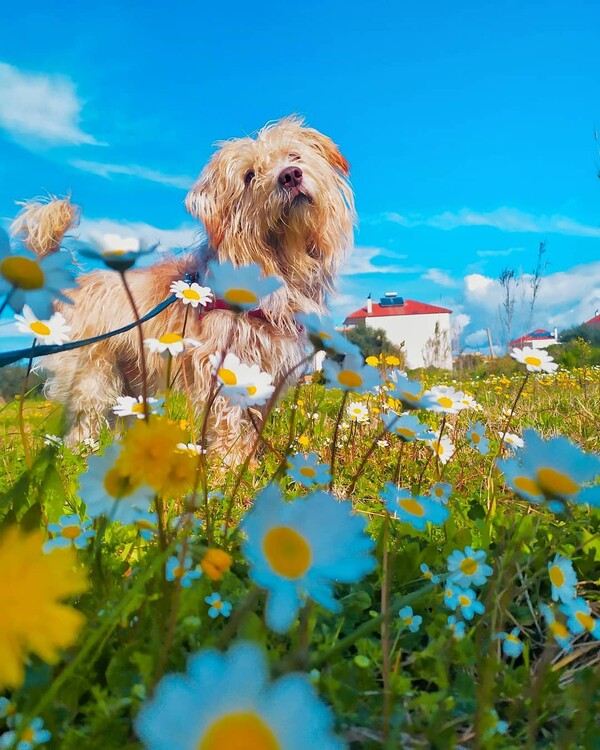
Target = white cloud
(41,109)
(477,338)
(505,218)
(441,278)
(499,253)
(133,170)
(362,259)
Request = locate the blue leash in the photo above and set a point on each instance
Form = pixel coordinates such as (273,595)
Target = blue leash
(42,351)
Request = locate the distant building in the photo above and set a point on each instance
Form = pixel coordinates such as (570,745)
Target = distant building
(594,322)
(538,339)
(423,329)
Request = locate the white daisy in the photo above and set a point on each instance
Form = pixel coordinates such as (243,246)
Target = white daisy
(244,385)
(514,441)
(357,412)
(192,448)
(192,294)
(128,406)
(444,448)
(170,343)
(445,399)
(52,331)
(535,360)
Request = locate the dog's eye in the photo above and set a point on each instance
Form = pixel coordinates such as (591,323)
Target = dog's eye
(249,176)
(294,157)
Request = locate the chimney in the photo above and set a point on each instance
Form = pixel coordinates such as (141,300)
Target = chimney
(555,334)
(369,305)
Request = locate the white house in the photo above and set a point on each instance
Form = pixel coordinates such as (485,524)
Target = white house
(538,339)
(423,329)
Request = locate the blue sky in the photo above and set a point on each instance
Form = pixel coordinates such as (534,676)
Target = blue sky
(469,128)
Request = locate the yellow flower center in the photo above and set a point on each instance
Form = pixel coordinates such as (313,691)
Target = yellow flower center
(412,506)
(533,361)
(40,328)
(405,432)
(239,731)
(287,552)
(240,297)
(144,525)
(350,379)
(228,377)
(475,437)
(110,253)
(445,402)
(586,620)
(410,397)
(438,492)
(559,630)
(190,294)
(468,566)
(251,389)
(179,571)
(427,575)
(512,638)
(528,485)
(27,735)
(170,338)
(308,472)
(138,408)
(324,335)
(71,532)
(117,484)
(21,272)
(555,482)
(464,601)
(217,605)
(556,576)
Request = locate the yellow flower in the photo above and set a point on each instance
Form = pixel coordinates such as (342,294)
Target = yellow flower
(216,563)
(33,618)
(150,456)
(303,440)
(392,360)
(373,361)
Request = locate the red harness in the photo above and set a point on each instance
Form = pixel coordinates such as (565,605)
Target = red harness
(220,304)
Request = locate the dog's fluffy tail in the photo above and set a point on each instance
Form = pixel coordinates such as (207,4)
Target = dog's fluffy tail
(43,222)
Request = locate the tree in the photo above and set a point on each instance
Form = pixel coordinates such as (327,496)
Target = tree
(437,348)
(374,341)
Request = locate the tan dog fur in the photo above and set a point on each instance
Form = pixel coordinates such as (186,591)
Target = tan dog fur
(248,219)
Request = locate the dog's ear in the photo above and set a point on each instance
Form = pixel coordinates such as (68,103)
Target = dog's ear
(328,149)
(202,204)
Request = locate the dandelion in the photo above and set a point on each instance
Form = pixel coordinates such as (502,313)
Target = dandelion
(191,294)
(25,736)
(244,385)
(414,509)
(559,631)
(406,426)
(357,412)
(456,628)
(69,531)
(392,360)
(116,252)
(511,643)
(427,574)
(307,471)
(468,568)
(36,282)
(323,336)
(579,617)
(201,711)
(350,375)
(440,492)
(217,606)
(299,549)
(33,617)
(180,570)
(128,406)
(443,447)
(241,288)
(477,439)
(512,440)
(150,455)
(108,489)
(412,621)
(445,399)
(535,360)
(563,579)
(372,361)
(555,470)
(215,563)
(54,330)
(169,343)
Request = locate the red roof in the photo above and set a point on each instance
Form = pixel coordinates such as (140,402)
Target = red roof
(410,307)
(593,321)
(538,335)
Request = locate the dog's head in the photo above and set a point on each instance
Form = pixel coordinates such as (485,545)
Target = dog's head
(281,200)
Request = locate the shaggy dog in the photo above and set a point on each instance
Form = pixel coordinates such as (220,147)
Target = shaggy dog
(280,200)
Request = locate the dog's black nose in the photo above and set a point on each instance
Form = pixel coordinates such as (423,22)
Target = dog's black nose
(290,177)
